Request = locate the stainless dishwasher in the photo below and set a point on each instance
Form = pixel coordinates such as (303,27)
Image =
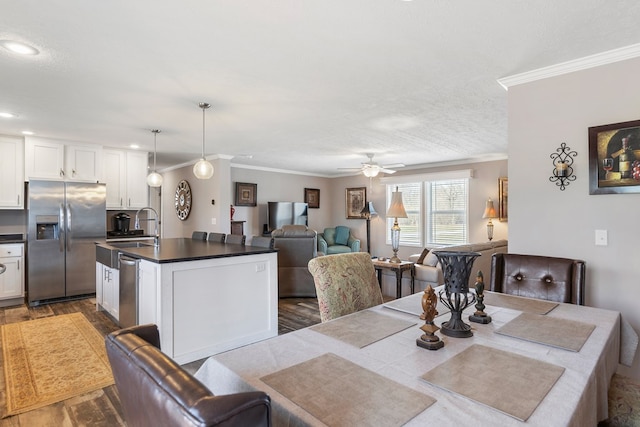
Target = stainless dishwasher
(128,291)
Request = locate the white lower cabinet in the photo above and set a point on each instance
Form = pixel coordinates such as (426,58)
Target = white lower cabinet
(12,279)
(148,292)
(108,290)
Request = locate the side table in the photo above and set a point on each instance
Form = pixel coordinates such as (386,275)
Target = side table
(398,268)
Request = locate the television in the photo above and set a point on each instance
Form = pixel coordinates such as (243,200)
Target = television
(286,213)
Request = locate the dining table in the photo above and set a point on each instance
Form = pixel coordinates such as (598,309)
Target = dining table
(536,363)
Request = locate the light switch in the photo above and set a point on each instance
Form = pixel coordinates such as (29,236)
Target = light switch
(601,238)
(213,221)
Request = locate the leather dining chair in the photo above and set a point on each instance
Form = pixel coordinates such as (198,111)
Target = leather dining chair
(263,242)
(216,237)
(199,235)
(155,391)
(345,283)
(542,277)
(235,239)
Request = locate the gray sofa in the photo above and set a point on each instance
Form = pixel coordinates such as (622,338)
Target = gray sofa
(430,273)
(296,245)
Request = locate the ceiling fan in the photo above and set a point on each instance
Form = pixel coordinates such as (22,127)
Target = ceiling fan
(371,169)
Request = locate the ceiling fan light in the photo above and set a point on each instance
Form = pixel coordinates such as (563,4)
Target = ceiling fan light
(154,179)
(203,169)
(370,172)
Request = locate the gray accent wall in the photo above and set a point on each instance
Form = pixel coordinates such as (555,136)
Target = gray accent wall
(546,221)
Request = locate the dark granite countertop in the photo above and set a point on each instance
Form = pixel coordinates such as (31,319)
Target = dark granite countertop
(186,249)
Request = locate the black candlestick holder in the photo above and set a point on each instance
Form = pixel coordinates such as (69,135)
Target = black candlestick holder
(456,268)
(480,316)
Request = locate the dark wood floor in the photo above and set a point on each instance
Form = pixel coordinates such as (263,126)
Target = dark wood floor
(102,407)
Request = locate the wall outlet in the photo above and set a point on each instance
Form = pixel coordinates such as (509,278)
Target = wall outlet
(260,267)
(213,221)
(601,238)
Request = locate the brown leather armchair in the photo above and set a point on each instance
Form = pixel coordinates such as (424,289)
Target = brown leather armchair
(156,391)
(542,277)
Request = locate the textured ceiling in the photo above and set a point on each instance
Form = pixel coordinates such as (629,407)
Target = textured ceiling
(298,85)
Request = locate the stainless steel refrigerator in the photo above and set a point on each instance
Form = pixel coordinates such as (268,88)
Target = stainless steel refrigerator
(65,220)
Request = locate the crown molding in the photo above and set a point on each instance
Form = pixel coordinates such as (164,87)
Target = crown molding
(603,58)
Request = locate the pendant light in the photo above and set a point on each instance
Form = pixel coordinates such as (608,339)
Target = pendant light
(203,169)
(154,179)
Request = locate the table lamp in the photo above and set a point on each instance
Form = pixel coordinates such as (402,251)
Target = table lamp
(367,212)
(489,212)
(396,210)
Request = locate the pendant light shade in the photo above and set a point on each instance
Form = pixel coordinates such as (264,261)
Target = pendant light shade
(154,179)
(203,169)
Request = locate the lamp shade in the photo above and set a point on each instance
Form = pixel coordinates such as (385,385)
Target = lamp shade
(203,169)
(396,208)
(368,210)
(489,210)
(154,179)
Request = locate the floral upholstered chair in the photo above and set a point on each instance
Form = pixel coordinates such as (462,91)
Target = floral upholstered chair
(345,283)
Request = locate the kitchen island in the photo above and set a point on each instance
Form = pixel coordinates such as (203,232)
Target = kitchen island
(206,297)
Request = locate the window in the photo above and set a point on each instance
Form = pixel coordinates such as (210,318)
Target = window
(446,211)
(437,212)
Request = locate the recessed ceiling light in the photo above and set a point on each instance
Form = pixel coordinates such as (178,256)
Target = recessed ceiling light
(134,146)
(27,132)
(17,47)
(6,115)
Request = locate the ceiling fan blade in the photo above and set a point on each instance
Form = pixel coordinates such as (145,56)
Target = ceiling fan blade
(395,165)
(389,171)
(350,169)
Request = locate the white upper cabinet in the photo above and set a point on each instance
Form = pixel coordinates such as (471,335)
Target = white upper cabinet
(83,163)
(137,188)
(125,173)
(55,160)
(11,173)
(115,176)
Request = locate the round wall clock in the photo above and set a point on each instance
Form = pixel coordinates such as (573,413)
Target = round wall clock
(183,200)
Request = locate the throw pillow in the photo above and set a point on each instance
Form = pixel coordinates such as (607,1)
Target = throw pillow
(342,235)
(431,259)
(424,253)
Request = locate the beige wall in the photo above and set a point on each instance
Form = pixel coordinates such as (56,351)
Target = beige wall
(277,186)
(483,185)
(547,221)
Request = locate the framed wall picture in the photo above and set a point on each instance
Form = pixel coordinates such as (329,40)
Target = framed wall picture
(503,198)
(355,199)
(614,158)
(312,197)
(246,194)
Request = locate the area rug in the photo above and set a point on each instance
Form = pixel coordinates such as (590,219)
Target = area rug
(52,359)
(624,403)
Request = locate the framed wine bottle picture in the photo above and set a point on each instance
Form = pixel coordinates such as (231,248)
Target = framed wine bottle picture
(614,158)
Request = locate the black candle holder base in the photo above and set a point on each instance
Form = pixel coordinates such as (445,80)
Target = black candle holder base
(480,319)
(456,328)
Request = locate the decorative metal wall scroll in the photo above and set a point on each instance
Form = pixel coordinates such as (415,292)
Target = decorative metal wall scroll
(562,173)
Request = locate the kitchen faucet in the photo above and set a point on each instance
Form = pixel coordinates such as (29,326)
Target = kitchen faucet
(136,225)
